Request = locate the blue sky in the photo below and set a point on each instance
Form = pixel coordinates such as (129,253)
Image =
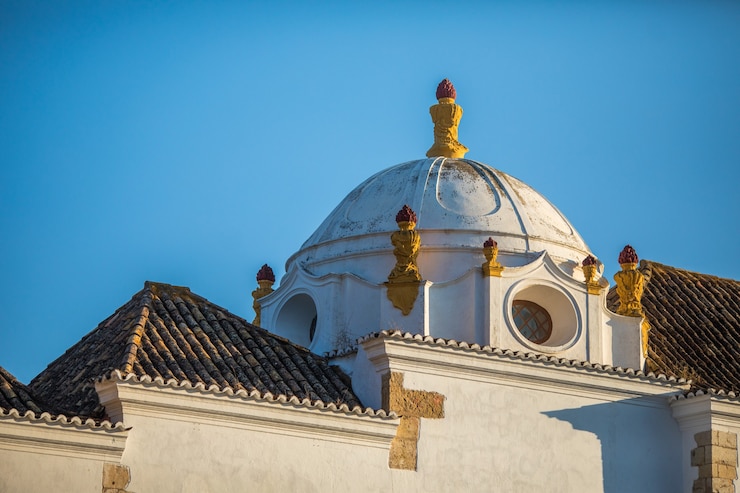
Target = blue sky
(191,142)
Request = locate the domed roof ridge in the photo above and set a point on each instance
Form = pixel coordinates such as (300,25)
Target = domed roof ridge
(450,195)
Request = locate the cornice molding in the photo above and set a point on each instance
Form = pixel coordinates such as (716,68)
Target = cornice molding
(58,435)
(415,353)
(126,397)
(704,411)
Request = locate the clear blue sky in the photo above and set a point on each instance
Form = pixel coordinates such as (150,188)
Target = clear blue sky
(191,142)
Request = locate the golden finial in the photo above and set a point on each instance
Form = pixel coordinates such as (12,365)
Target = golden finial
(446,116)
(265,280)
(404,279)
(630,286)
(491,267)
(589,266)
(406,242)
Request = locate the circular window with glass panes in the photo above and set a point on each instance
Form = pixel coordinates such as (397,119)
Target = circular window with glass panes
(532,320)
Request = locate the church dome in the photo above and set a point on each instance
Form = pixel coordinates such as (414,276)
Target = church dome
(459,204)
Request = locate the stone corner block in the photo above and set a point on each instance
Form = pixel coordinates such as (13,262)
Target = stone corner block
(115,477)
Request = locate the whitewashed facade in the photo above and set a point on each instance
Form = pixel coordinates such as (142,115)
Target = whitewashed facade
(573,413)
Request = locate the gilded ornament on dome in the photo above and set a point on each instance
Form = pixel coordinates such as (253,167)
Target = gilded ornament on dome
(265,280)
(491,267)
(630,286)
(590,267)
(446,116)
(404,280)
(406,242)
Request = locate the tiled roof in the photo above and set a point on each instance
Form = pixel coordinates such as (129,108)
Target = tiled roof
(170,333)
(695,325)
(15,395)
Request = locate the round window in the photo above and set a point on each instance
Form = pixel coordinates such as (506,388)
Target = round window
(532,320)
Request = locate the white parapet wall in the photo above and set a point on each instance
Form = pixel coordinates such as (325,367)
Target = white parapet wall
(39,454)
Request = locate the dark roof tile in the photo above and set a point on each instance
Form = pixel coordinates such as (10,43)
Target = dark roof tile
(694,325)
(15,395)
(168,332)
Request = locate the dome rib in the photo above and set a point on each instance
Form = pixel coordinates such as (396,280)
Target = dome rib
(450,195)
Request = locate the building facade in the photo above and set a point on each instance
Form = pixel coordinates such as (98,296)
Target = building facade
(445,329)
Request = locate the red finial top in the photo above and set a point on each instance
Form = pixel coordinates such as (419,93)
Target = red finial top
(590,260)
(406,214)
(628,255)
(490,242)
(265,274)
(445,89)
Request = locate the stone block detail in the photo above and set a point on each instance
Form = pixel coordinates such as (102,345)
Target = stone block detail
(115,478)
(716,458)
(411,406)
(714,437)
(403,446)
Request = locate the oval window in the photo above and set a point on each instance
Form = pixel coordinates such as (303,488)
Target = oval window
(532,320)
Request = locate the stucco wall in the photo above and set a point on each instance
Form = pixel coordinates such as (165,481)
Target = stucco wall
(523,439)
(507,426)
(24,472)
(515,425)
(183,457)
(52,453)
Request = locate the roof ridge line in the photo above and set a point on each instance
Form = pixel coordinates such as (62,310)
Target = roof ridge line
(134,341)
(659,265)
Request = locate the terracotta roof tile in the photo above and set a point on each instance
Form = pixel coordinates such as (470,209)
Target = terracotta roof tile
(15,395)
(695,325)
(168,332)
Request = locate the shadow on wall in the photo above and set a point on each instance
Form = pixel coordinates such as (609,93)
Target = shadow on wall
(640,443)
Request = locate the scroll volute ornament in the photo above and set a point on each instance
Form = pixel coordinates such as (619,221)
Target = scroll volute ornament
(491,267)
(404,280)
(265,280)
(446,116)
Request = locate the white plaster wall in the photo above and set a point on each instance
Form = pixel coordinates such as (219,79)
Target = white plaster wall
(168,455)
(514,425)
(626,340)
(494,437)
(359,308)
(510,425)
(40,472)
(690,473)
(454,312)
(508,438)
(416,321)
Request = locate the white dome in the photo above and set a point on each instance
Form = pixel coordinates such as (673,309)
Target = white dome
(459,204)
